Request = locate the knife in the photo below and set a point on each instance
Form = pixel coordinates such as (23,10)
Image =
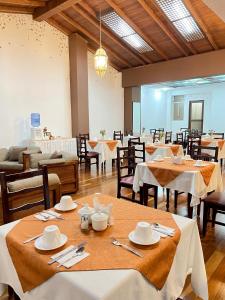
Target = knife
(75,247)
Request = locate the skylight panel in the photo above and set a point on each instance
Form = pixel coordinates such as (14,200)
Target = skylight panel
(125,31)
(181,18)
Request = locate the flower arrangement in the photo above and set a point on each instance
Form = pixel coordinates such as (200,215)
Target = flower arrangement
(103,133)
(161,135)
(211,132)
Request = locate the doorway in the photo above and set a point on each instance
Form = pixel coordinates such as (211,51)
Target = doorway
(196,115)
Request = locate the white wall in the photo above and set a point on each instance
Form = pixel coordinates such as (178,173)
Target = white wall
(153,108)
(106,103)
(34,77)
(214,106)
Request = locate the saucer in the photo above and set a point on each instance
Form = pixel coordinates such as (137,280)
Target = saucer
(158,159)
(154,239)
(58,207)
(40,246)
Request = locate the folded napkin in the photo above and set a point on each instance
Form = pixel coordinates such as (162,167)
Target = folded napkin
(42,215)
(164,229)
(68,260)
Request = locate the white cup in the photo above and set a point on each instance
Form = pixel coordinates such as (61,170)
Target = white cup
(199,162)
(143,232)
(51,236)
(99,221)
(66,202)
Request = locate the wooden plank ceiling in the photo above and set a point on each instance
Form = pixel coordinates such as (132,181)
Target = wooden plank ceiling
(144,16)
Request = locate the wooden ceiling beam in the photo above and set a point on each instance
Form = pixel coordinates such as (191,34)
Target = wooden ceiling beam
(16,9)
(58,26)
(201,24)
(91,11)
(29,3)
(52,8)
(95,22)
(78,27)
(121,13)
(163,27)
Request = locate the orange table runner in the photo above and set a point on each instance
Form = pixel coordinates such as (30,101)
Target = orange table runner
(167,171)
(92,144)
(111,145)
(31,265)
(206,143)
(151,149)
(220,143)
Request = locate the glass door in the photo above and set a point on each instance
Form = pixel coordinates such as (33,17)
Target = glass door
(196,115)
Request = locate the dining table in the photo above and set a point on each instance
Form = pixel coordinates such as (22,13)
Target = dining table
(187,177)
(214,142)
(162,149)
(107,148)
(130,277)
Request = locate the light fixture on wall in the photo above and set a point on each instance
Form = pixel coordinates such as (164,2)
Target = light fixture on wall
(101,58)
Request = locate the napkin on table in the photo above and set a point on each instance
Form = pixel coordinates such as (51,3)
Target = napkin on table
(42,216)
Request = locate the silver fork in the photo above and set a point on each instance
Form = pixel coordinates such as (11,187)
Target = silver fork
(128,248)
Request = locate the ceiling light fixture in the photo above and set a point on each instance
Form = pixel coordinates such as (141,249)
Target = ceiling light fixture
(101,58)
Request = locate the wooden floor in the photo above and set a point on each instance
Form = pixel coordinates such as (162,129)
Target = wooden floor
(213,244)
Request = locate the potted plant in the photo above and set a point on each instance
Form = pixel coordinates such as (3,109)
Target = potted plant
(103,133)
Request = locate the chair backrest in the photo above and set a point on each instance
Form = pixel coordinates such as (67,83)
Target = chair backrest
(7,195)
(179,138)
(204,153)
(81,146)
(135,139)
(192,141)
(139,150)
(85,135)
(218,136)
(168,137)
(161,129)
(156,136)
(184,128)
(125,162)
(118,135)
(152,131)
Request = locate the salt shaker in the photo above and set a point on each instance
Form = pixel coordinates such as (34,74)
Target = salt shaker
(84,225)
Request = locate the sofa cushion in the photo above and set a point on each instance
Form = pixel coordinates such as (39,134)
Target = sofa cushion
(51,161)
(30,150)
(32,182)
(4,153)
(35,158)
(11,165)
(14,153)
(34,149)
(56,155)
(68,156)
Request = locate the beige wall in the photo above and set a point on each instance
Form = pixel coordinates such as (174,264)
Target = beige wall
(212,63)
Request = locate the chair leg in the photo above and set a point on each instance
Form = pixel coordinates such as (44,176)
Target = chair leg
(145,194)
(167,199)
(190,209)
(214,217)
(205,219)
(118,191)
(133,195)
(97,162)
(155,197)
(175,199)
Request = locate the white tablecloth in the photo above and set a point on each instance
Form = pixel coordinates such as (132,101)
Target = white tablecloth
(143,139)
(50,146)
(117,284)
(105,154)
(163,151)
(214,143)
(189,182)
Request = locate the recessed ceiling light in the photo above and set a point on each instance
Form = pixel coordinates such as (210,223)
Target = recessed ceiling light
(181,18)
(125,31)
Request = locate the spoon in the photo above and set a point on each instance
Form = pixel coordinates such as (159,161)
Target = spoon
(79,252)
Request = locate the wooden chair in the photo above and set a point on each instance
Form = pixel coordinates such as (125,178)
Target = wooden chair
(156,136)
(215,202)
(125,175)
(152,131)
(84,155)
(184,128)
(193,140)
(8,195)
(161,129)
(168,137)
(179,138)
(118,136)
(139,147)
(204,153)
(218,136)
(85,135)
(135,139)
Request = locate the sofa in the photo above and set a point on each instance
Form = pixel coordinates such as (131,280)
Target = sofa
(16,159)
(64,164)
(32,196)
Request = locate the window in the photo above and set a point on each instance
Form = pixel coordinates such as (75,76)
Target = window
(178,108)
